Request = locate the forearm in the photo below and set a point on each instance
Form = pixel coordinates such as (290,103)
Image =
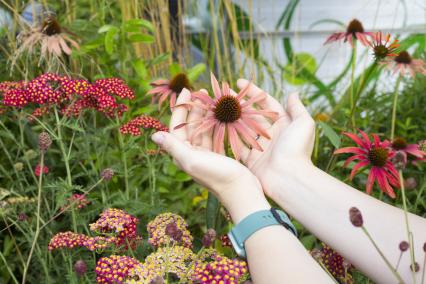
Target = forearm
(321,203)
(274,254)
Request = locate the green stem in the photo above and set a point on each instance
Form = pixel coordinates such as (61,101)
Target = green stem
(407,226)
(352,99)
(124,161)
(40,180)
(8,268)
(395,102)
(394,272)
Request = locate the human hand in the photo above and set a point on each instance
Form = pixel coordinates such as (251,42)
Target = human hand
(233,183)
(292,141)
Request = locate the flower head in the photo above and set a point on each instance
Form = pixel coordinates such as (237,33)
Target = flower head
(161,232)
(107,174)
(226,113)
(354,31)
(335,264)
(220,270)
(382,46)
(400,144)
(115,269)
(67,240)
(377,157)
(355,217)
(164,89)
(37,170)
(80,267)
(403,63)
(403,246)
(44,141)
(144,121)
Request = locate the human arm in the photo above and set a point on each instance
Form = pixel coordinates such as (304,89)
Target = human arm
(274,254)
(321,203)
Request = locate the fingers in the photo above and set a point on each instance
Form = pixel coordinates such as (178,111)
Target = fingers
(295,107)
(268,103)
(179,115)
(196,114)
(177,148)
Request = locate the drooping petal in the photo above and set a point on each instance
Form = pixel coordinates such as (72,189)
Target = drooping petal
(266,113)
(206,99)
(255,126)
(172,100)
(160,82)
(206,125)
(357,167)
(163,97)
(355,157)
(234,141)
(254,100)
(158,90)
(383,183)
(218,138)
(370,180)
(354,150)
(215,86)
(244,132)
(243,91)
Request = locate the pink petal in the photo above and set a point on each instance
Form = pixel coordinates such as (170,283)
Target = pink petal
(254,99)
(234,141)
(246,136)
(356,139)
(226,91)
(206,99)
(173,100)
(255,126)
(218,138)
(354,150)
(158,90)
(163,97)
(215,86)
(365,136)
(357,167)
(355,157)
(205,126)
(266,113)
(376,140)
(160,82)
(370,180)
(243,91)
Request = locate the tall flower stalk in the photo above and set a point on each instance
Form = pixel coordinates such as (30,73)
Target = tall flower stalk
(394,104)
(352,99)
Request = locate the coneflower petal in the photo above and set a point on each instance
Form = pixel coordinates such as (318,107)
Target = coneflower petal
(370,180)
(157,90)
(218,138)
(206,125)
(254,100)
(357,167)
(215,86)
(246,135)
(355,157)
(356,139)
(255,126)
(354,150)
(205,98)
(234,141)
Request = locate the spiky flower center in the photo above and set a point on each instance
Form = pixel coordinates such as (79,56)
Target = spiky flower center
(355,26)
(228,109)
(378,156)
(403,57)
(51,26)
(381,51)
(399,143)
(178,82)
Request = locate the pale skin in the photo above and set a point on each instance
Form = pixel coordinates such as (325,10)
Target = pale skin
(284,172)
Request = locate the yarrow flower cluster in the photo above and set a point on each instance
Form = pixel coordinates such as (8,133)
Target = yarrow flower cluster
(378,157)
(220,270)
(115,269)
(144,121)
(169,228)
(71,96)
(117,221)
(72,240)
(335,263)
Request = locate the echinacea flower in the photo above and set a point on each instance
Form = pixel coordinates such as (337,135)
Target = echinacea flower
(50,36)
(159,228)
(400,144)
(227,114)
(377,157)
(220,270)
(403,63)
(354,31)
(115,269)
(144,121)
(164,89)
(382,46)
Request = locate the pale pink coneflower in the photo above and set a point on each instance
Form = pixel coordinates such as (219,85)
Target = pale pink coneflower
(164,89)
(354,31)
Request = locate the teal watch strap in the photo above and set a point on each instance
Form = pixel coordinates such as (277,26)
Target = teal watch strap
(254,222)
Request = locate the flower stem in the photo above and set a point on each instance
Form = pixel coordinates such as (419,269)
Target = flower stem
(407,226)
(352,99)
(40,180)
(395,101)
(124,161)
(383,256)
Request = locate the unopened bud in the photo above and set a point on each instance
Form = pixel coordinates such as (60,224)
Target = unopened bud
(107,174)
(18,166)
(356,217)
(44,141)
(209,238)
(80,267)
(403,246)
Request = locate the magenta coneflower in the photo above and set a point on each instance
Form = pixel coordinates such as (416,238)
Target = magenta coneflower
(377,156)
(164,89)
(399,144)
(354,31)
(230,115)
(404,63)
(383,47)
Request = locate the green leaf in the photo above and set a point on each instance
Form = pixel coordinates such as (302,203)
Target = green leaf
(141,38)
(134,25)
(174,69)
(158,59)
(196,71)
(181,176)
(107,28)
(330,134)
(308,241)
(140,68)
(212,210)
(109,40)
(293,72)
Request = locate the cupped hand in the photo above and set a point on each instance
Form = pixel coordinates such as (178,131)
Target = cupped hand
(233,183)
(292,141)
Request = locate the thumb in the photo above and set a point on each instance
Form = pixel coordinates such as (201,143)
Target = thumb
(177,148)
(295,107)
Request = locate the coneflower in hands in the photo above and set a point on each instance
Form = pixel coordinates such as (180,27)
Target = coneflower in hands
(229,115)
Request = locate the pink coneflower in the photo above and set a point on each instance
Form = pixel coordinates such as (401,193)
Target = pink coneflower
(399,144)
(354,31)
(228,114)
(164,89)
(382,46)
(404,63)
(377,156)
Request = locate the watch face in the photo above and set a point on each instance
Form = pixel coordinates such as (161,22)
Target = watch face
(238,249)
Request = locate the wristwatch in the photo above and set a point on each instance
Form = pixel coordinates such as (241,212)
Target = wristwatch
(254,222)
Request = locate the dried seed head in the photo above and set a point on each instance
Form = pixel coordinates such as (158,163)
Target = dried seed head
(355,217)
(107,174)
(44,141)
(18,166)
(80,267)
(410,183)
(403,246)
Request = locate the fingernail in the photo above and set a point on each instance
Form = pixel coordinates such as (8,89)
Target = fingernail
(158,138)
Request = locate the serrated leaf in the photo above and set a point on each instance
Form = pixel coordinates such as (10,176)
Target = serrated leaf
(330,134)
